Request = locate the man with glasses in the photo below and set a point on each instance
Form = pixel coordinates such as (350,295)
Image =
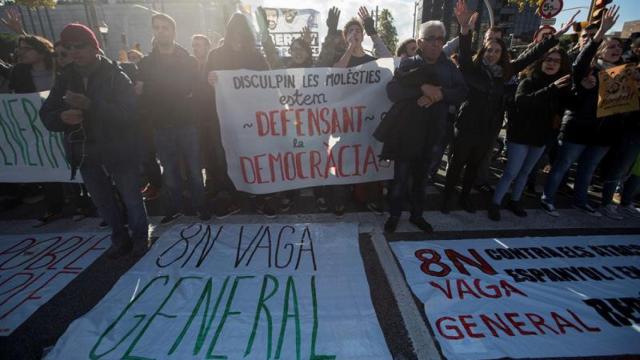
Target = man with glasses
(423,88)
(93,103)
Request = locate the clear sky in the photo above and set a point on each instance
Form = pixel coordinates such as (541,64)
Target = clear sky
(629,10)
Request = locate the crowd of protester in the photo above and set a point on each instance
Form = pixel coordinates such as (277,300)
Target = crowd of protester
(146,128)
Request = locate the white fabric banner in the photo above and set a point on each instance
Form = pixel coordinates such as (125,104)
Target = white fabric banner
(236,291)
(528,297)
(34,268)
(28,151)
(296,128)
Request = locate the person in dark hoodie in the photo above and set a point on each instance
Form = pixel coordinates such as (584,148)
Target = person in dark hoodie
(584,137)
(238,52)
(538,103)
(423,88)
(167,81)
(93,103)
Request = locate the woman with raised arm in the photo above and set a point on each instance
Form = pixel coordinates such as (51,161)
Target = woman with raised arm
(480,117)
(584,137)
(539,102)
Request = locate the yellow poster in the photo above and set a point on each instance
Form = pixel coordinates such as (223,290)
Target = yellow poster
(618,90)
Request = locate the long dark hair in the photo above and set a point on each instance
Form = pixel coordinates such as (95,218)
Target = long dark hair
(534,70)
(41,45)
(504,61)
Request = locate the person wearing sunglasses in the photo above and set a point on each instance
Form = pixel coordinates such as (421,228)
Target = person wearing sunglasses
(93,103)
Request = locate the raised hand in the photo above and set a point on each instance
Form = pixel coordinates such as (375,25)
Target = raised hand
(367,21)
(609,18)
(306,35)
(332,20)
(13,21)
(261,17)
(466,18)
(567,26)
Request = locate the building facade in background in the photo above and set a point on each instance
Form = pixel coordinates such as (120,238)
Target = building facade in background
(629,28)
(519,25)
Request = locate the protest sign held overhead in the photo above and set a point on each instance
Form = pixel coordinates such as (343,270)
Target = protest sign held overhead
(298,128)
(286,24)
(528,297)
(618,90)
(237,291)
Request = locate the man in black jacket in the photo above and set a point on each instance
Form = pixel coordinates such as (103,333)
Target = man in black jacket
(423,88)
(167,80)
(93,103)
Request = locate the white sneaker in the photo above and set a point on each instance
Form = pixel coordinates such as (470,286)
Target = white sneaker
(611,211)
(630,210)
(586,208)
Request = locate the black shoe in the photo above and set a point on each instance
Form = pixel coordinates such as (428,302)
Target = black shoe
(494,212)
(467,204)
(267,210)
(516,208)
(47,218)
(228,208)
(421,224)
(530,190)
(170,218)
(321,204)
(375,207)
(103,224)
(115,252)
(338,210)
(484,188)
(391,224)
(204,215)
(285,204)
(140,248)
(447,204)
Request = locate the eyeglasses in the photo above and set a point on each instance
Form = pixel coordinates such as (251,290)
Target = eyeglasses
(553,60)
(80,46)
(433,39)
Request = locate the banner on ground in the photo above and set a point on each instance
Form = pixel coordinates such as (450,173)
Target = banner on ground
(34,268)
(528,297)
(28,151)
(286,24)
(618,90)
(297,128)
(237,291)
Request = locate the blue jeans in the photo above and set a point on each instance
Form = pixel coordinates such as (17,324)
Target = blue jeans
(624,155)
(403,172)
(99,180)
(520,161)
(174,145)
(588,157)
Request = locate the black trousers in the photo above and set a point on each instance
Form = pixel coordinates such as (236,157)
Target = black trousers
(468,153)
